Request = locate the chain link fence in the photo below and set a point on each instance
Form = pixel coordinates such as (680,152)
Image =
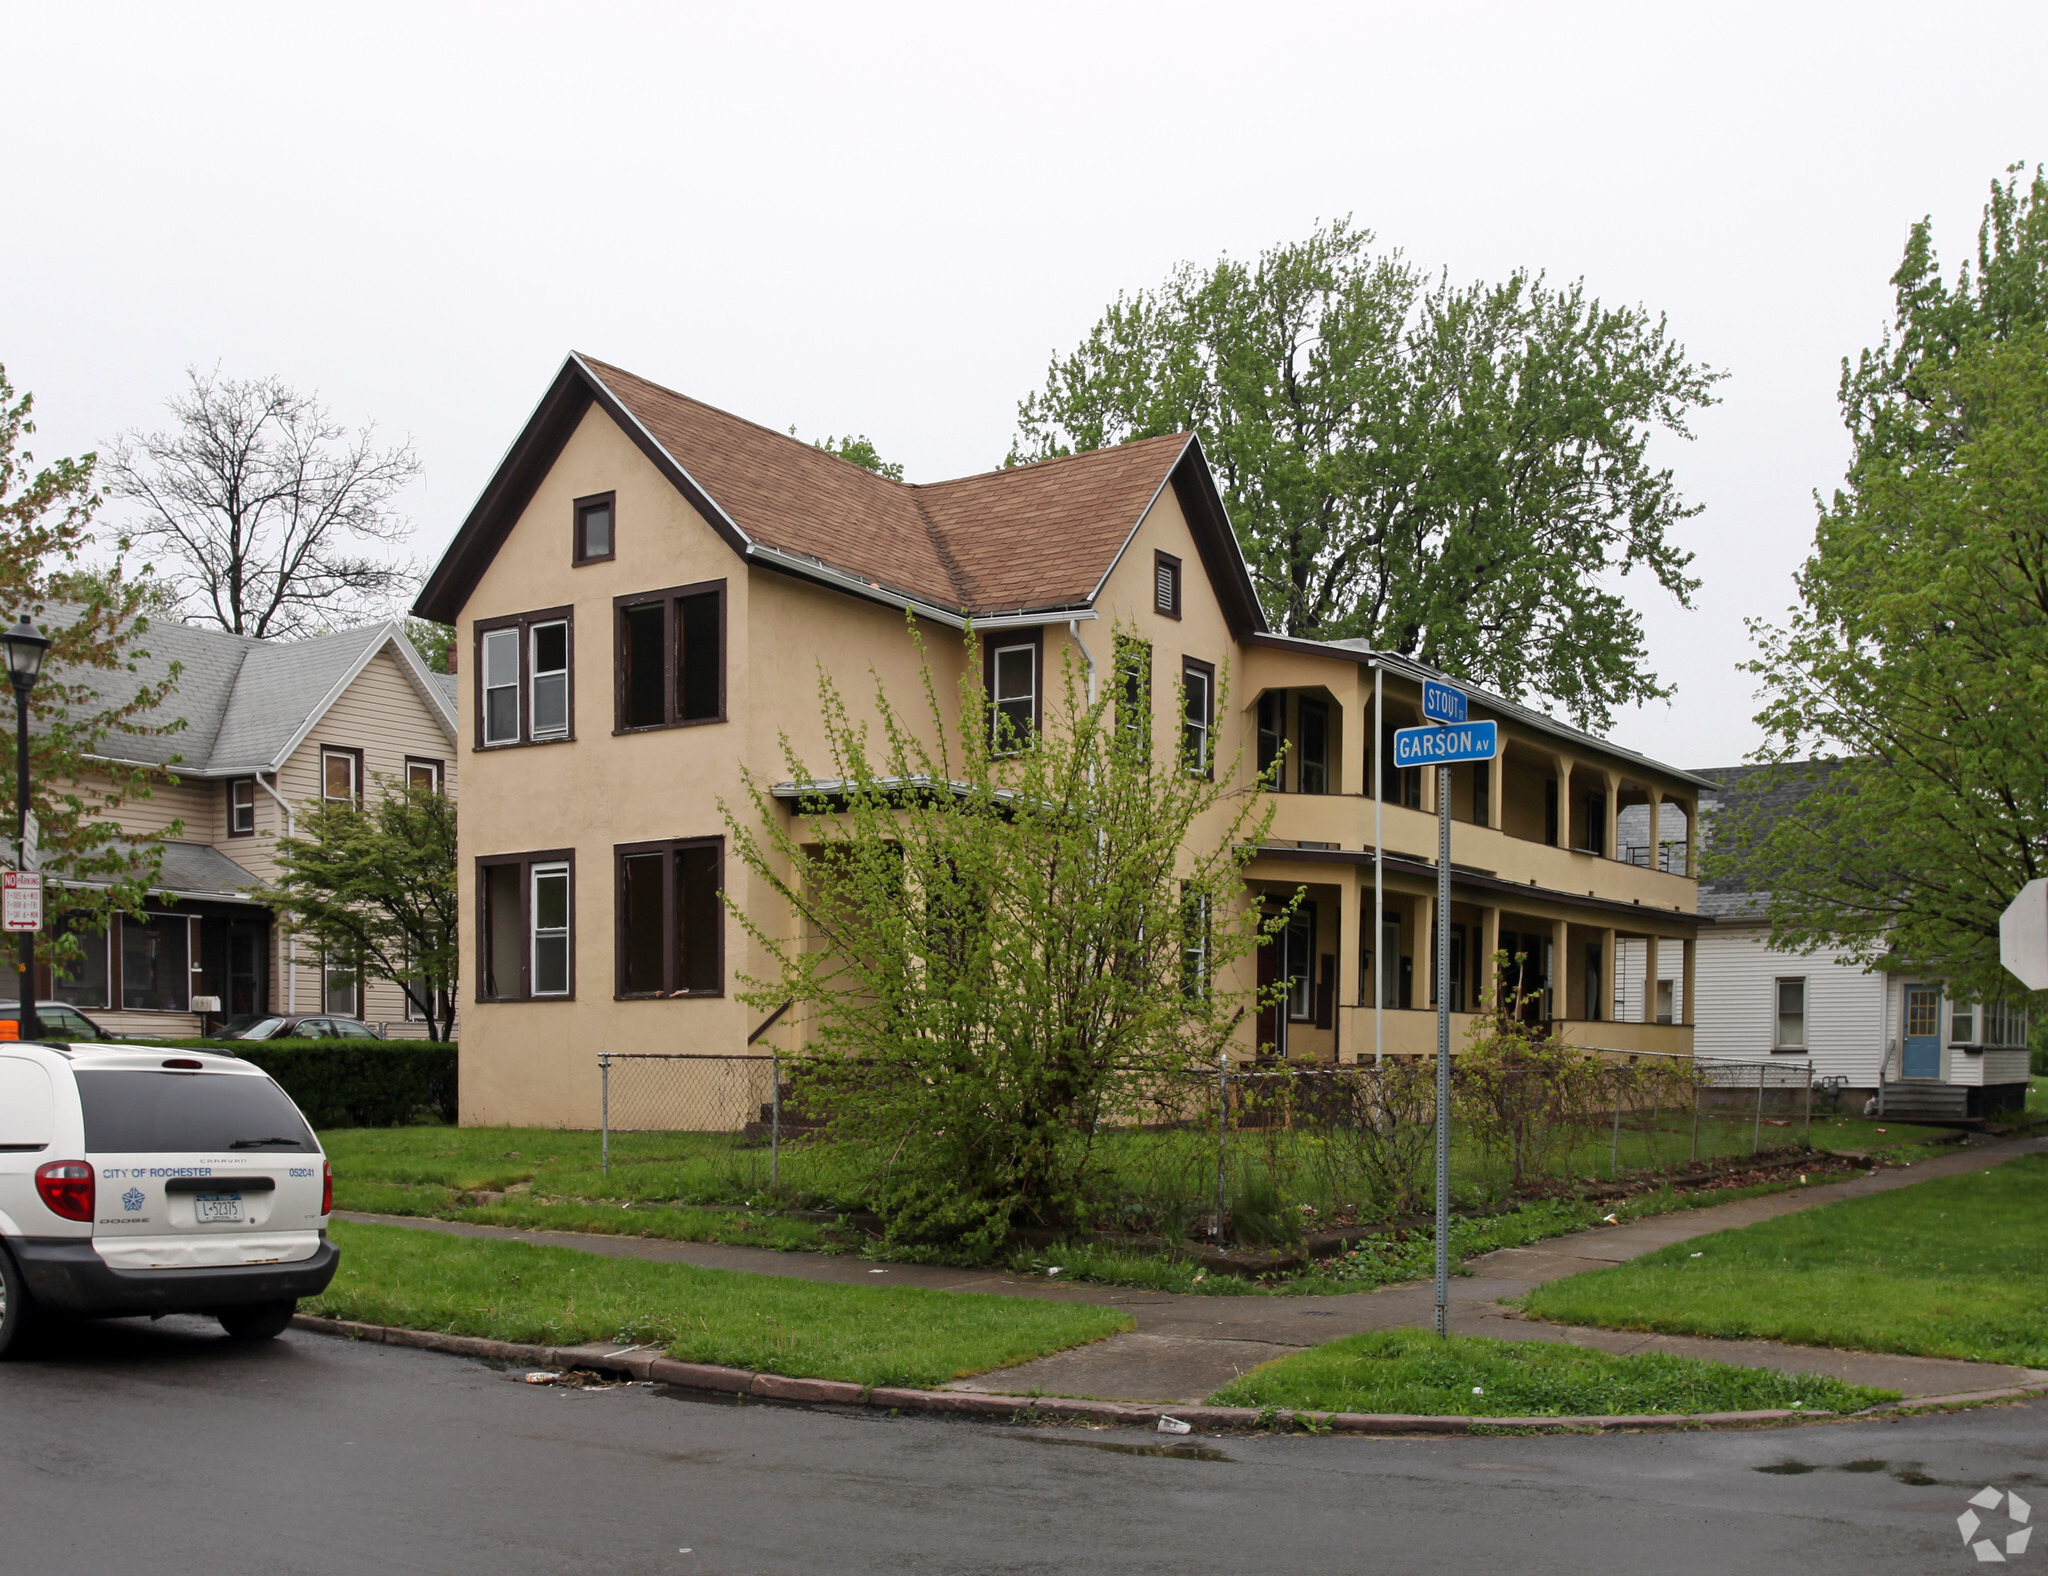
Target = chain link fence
(1238,1152)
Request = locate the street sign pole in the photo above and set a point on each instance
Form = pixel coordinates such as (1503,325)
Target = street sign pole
(1443,1050)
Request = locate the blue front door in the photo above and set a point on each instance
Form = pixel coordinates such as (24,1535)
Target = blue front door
(1922,1057)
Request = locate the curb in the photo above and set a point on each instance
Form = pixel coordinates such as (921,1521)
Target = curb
(639,1362)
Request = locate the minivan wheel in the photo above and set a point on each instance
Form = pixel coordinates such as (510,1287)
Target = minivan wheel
(258,1321)
(17,1313)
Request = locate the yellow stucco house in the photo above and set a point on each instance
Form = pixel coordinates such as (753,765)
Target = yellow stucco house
(644,596)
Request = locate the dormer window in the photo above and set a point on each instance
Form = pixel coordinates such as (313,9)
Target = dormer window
(1166,584)
(594,528)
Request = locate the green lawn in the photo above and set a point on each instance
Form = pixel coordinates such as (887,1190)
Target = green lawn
(1470,1376)
(1955,1267)
(511,1291)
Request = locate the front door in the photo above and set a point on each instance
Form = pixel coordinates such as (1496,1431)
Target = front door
(1922,1058)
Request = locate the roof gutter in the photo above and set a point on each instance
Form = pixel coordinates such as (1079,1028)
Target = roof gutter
(952,618)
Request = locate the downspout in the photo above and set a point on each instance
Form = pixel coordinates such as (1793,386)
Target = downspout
(1379,871)
(1087,656)
(291,956)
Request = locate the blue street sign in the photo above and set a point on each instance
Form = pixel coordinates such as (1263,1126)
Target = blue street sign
(1471,741)
(1441,703)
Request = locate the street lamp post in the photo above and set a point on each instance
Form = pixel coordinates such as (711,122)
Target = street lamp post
(26,647)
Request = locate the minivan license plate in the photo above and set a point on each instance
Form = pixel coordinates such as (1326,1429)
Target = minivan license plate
(217,1206)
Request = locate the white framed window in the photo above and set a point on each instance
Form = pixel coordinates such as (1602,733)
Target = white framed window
(1962,1024)
(341,776)
(242,807)
(1790,997)
(550,681)
(1194,946)
(550,932)
(1015,717)
(501,686)
(422,773)
(341,987)
(1198,680)
(2005,1028)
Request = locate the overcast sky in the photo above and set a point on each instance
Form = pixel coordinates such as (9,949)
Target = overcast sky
(885,219)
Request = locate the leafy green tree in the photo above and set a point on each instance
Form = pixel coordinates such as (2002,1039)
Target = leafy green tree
(96,621)
(378,884)
(1450,472)
(432,641)
(997,946)
(1916,660)
(863,453)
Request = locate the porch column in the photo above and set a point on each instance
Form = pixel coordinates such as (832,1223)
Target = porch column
(1650,950)
(1612,831)
(1691,807)
(1560,969)
(1349,896)
(1561,772)
(1656,804)
(1682,1008)
(1486,982)
(1608,973)
(1422,991)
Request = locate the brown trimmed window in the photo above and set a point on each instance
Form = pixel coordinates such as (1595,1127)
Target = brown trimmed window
(1134,694)
(671,924)
(523,689)
(670,657)
(1012,669)
(1198,721)
(526,904)
(242,807)
(1166,584)
(596,528)
(341,775)
(423,773)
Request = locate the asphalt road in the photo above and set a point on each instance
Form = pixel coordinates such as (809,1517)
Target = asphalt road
(161,1449)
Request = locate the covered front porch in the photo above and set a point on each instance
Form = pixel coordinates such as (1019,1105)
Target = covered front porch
(1360,974)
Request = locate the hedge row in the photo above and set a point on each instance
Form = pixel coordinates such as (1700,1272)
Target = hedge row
(353,1083)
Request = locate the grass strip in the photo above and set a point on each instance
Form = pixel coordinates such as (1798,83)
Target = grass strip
(514,1291)
(1953,1267)
(1415,1372)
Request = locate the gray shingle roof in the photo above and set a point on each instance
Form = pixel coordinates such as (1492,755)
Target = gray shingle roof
(201,871)
(1767,793)
(246,703)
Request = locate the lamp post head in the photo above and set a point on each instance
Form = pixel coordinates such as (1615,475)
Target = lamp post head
(26,647)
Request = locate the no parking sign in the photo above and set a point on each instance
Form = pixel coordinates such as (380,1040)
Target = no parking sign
(21,900)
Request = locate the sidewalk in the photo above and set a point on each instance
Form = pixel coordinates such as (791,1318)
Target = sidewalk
(1185,1347)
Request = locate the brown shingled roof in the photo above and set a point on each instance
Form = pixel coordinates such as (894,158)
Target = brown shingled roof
(1034,536)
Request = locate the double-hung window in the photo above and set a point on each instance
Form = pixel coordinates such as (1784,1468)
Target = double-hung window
(422,773)
(1198,722)
(670,657)
(1012,678)
(341,775)
(671,922)
(523,678)
(1134,695)
(1791,1024)
(242,807)
(341,985)
(1194,946)
(527,910)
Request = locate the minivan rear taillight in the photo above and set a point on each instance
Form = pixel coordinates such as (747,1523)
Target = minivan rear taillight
(327,1187)
(66,1187)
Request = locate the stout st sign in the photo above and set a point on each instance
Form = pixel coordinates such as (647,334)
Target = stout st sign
(1441,703)
(1465,741)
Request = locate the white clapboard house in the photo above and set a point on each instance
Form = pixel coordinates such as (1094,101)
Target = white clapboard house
(1900,1041)
(269,728)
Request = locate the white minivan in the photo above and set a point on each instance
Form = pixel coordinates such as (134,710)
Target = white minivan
(138,1181)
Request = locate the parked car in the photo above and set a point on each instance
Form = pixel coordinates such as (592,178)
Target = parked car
(136,1182)
(58,1020)
(291,1026)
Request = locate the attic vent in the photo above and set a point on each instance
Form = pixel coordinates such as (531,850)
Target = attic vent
(1166,584)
